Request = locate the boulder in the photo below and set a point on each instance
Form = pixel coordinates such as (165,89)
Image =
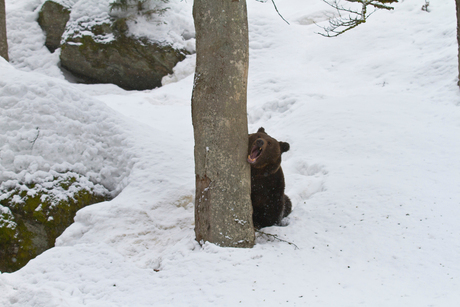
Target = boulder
(34,214)
(100,50)
(129,62)
(53,18)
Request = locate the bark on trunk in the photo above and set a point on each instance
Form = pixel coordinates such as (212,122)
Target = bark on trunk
(457,5)
(223,209)
(3,41)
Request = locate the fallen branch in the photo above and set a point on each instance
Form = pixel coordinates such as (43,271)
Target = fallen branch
(275,237)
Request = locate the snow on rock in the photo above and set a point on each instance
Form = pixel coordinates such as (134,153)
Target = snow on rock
(48,126)
(173,27)
(84,15)
(181,71)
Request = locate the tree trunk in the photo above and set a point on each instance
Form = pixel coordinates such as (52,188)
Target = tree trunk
(3,41)
(223,209)
(457,5)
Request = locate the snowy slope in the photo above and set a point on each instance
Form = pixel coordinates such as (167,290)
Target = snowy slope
(373,120)
(48,125)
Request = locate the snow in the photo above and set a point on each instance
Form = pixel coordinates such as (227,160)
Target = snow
(174,27)
(26,42)
(48,125)
(373,121)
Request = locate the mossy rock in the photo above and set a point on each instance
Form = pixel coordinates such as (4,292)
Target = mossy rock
(129,62)
(108,54)
(33,215)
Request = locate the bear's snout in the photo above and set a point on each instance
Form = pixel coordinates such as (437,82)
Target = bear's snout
(260,143)
(255,151)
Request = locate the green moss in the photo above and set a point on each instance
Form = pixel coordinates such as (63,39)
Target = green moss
(120,26)
(38,212)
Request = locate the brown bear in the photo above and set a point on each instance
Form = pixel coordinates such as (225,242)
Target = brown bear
(270,204)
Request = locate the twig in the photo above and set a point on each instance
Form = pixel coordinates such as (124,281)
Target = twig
(425,6)
(276,238)
(273,1)
(38,134)
(354,18)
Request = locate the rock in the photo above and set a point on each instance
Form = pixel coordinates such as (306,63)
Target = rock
(100,50)
(53,18)
(111,56)
(33,215)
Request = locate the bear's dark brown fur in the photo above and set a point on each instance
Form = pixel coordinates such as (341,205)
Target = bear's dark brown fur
(270,204)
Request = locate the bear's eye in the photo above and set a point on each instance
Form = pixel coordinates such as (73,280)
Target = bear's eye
(269,143)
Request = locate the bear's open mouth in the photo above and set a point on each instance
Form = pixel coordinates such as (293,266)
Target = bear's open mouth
(255,153)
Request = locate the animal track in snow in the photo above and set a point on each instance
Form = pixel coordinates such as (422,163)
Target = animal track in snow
(277,106)
(305,169)
(315,17)
(303,179)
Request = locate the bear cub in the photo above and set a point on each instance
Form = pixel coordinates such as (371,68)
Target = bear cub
(270,204)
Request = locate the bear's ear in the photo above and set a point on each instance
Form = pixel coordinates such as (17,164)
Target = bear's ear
(284,146)
(261,129)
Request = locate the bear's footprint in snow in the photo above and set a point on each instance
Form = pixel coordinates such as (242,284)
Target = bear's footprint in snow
(305,169)
(305,180)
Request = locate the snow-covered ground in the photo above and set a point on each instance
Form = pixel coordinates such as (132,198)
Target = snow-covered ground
(373,121)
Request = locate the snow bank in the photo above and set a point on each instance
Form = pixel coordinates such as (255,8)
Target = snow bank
(26,40)
(47,126)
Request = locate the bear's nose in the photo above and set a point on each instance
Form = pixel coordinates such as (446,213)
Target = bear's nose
(260,143)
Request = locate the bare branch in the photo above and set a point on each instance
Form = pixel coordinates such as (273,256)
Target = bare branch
(342,24)
(273,1)
(276,9)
